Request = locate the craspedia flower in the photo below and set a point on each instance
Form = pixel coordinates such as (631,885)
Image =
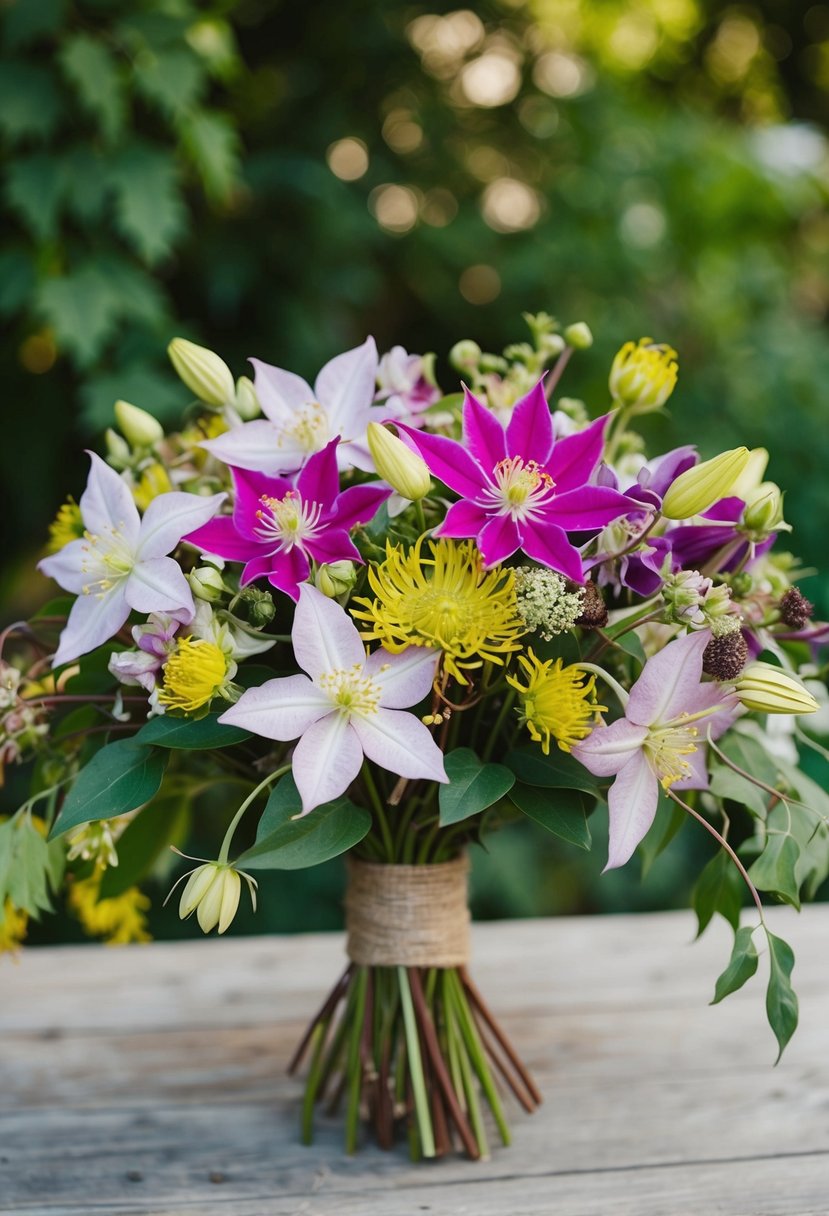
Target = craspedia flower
(66,526)
(194,674)
(445,600)
(118,921)
(643,375)
(557,702)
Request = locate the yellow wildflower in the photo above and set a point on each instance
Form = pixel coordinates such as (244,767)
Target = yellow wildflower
(66,526)
(447,601)
(643,376)
(193,675)
(154,481)
(118,921)
(13,925)
(558,702)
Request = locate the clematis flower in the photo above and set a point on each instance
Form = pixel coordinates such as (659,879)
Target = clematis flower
(300,420)
(658,741)
(346,707)
(278,525)
(406,384)
(520,488)
(718,542)
(120,563)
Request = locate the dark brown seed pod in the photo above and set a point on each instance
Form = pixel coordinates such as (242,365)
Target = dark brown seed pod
(795,609)
(724,658)
(594,609)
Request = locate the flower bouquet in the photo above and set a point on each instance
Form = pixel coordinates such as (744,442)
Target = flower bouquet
(370,619)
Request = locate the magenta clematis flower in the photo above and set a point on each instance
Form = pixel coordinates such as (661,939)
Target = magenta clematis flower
(659,741)
(346,707)
(300,420)
(121,563)
(520,488)
(278,525)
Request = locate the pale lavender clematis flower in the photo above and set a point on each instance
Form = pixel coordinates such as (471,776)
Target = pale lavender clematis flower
(346,707)
(156,642)
(121,563)
(405,385)
(300,420)
(660,740)
(520,487)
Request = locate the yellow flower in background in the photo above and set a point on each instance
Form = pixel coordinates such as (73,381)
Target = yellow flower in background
(13,926)
(118,921)
(66,526)
(643,376)
(194,674)
(446,600)
(154,481)
(557,702)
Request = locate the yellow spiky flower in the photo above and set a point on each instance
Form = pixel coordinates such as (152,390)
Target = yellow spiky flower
(444,599)
(119,920)
(643,375)
(557,702)
(194,674)
(66,526)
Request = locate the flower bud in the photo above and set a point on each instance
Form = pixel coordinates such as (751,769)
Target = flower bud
(465,355)
(699,487)
(551,345)
(206,583)
(137,426)
(118,450)
(643,376)
(204,373)
(403,469)
(770,690)
(752,474)
(258,606)
(578,336)
(335,578)
(763,513)
(212,891)
(247,403)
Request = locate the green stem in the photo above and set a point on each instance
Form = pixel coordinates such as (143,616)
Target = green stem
(224,852)
(354,1064)
(312,1083)
(503,714)
(621,693)
(464,1066)
(421,1098)
(420,515)
(476,1054)
(379,811)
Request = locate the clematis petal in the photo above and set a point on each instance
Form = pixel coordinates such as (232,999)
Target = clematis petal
(93,620)
(448,460)
(575,457)
(345,387)
(257,567)
(698,780)
(65,566)
(587,508)
(483,434)
(404,678)
(463,519)
(669,681)
(280,393)
(221,538)
(289,570)
(279,709)
(607,749)
(548,544)
(530,429)
(359,505)
(158,585)
(171,516)
(632,803)
(319,480)
(250,488)
(258,445)
(326,760)
(324,636)
(498,539)
(399,741)
(333,545)
(107,503)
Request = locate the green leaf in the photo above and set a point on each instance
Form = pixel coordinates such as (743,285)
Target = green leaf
(172,80)
(149,210)
(29,102)
(86,183)
(630,643)
(556,771)
(213,146)
(725,783)
(719,888)
(30,868)
(473,786)
(285,843)
(741,965)
(564,813)
(202,734)
(119,778)
(147,836)
(34,189)
(781,1001)
(17,280)
(668,821)
(95,76)
(81,311)
(747,751)
(774,869)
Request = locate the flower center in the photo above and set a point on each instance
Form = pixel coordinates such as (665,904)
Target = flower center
(107,558)
(309,427)
(520,487)
(288,521)
(193,675)
(666,748)
(351,691)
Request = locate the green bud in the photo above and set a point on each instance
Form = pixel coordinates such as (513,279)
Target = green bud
(258,606)
(578,336)
(551,345)
(203,371)
(206,583)
(465,355)
(118,450)
(763,513)
(247,403)
(335,578)
(137,426)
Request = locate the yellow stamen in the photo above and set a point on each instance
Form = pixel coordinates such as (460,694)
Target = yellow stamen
(194,673)
(66,526)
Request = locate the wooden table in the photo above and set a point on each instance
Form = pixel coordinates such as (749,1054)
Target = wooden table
(152,1080)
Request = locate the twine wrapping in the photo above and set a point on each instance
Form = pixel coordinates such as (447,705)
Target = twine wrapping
(412,916)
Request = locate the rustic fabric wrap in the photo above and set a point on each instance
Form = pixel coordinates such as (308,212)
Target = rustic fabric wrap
(412,916)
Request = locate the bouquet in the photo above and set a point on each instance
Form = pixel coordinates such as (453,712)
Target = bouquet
(371,619)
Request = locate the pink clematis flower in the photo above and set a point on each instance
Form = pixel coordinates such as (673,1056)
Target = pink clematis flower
(300,420)
(405,385)
(278,525)
(659,741)
(121,562)
(520,488)
(346,707)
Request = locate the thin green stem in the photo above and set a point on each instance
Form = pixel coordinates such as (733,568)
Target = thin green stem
(476,1054)
(613,684)
(379,811)
(224,852)
(354,1067)
(503,713)
(421,1098)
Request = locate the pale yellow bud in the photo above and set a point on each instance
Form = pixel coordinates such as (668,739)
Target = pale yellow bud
(578,336)
(770,690)
(763,512)
(195,889)
(247,403)
(335,578)
(752,474)
(403,469)
(212,892)
(118,450)
(204,373)
(137,426)
(699,487)
(643,376)
(206,583)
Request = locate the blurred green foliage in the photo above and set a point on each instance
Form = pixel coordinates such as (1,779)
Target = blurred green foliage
(280,179)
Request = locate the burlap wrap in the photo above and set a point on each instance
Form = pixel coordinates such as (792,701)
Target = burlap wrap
(413,916)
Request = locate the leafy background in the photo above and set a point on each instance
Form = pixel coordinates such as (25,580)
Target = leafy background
(280,179)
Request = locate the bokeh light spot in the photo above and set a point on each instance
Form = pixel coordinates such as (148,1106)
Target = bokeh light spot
(480,284)
(347,159)
(394,207)
(492,79)
(38,353)
(510,205)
